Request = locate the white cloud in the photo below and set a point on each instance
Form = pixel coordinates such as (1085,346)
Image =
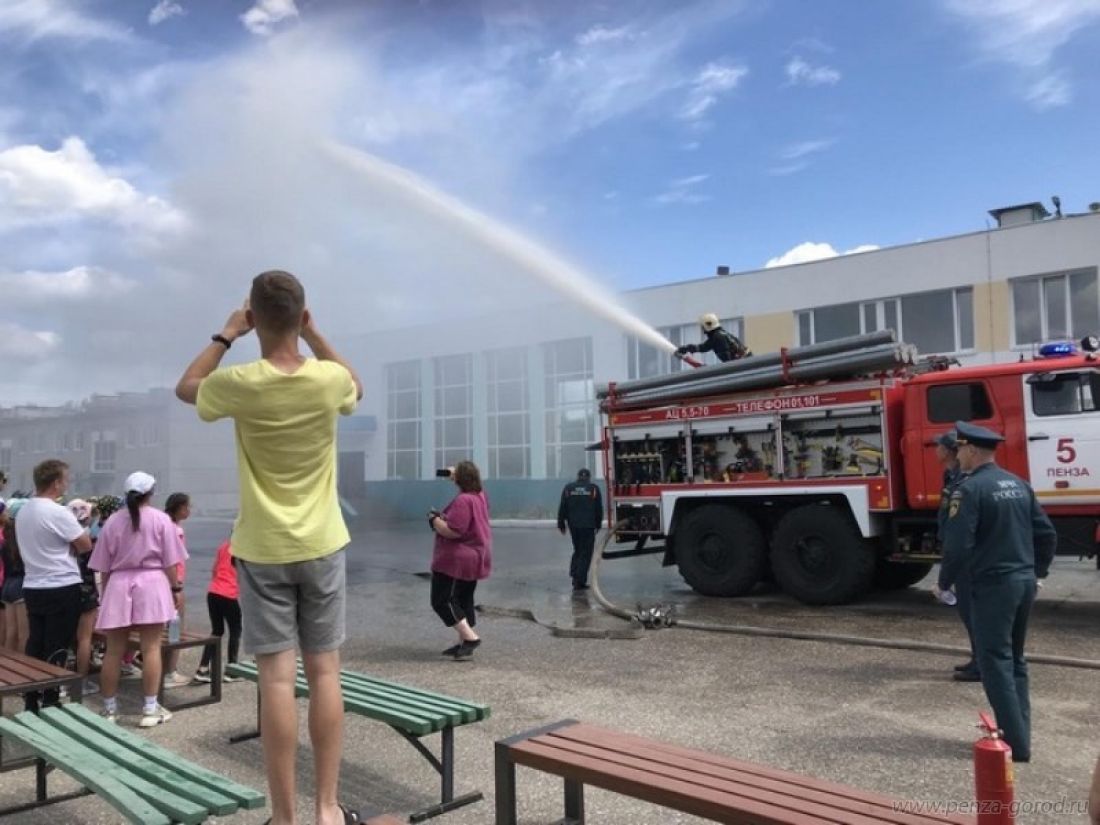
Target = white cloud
(807,147)
(163,10)
(57,19)
(802,73)
(18,342)
(1028,34)
(681,190)
(788,168)
(600,34)
(712,81)
(811,251)
(262,17)
(79,283)
(40,187)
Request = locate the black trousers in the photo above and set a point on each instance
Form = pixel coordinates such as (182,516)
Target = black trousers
(584,541)
(223,612)
(453,599)
(52,617)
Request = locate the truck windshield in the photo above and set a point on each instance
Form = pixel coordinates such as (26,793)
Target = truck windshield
(1067,393)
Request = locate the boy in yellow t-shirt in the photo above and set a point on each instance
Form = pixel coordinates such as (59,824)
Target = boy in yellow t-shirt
(289,535)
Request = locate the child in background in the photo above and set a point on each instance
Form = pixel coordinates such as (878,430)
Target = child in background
(89,599)
(221,601)
(178,508)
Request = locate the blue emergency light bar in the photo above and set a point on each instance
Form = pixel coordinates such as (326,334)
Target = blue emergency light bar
(1057,349)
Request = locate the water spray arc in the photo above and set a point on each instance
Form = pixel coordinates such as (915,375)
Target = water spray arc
(532,257)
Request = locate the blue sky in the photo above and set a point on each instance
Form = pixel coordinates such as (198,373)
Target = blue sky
(153,155)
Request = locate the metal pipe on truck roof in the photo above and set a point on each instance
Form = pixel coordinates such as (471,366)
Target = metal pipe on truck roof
(851,343)
(837,365)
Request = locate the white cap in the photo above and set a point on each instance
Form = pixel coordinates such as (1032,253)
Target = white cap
(139,482)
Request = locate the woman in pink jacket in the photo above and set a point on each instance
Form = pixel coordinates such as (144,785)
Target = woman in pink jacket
(462,556)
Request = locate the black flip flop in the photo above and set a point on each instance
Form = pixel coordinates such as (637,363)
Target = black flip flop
(351,817)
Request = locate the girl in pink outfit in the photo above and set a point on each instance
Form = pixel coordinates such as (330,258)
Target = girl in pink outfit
(463,555)
(137,553)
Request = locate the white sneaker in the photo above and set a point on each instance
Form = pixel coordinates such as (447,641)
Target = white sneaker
(127,669)
(90,688)
(110,716)
(155,717)
(175,680)
(202,676)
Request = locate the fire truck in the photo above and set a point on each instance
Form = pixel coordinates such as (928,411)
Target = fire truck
(817,466)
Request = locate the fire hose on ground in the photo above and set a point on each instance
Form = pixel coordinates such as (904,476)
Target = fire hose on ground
(658,616)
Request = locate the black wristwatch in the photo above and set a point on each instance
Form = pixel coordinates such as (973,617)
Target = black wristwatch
(221,339)
(177,589)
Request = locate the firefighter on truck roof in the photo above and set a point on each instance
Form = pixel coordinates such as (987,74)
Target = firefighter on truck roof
(725,345)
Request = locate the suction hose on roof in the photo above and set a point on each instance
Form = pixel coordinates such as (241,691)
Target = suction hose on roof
(664,616)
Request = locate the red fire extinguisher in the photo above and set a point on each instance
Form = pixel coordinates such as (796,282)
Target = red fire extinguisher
(993,779)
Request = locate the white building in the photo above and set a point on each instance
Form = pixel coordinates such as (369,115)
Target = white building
(518,396)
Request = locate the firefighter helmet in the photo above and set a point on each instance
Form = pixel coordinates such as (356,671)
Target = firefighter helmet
(709,321)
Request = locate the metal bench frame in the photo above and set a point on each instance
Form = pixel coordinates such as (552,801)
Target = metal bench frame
(444,764)
(187,640)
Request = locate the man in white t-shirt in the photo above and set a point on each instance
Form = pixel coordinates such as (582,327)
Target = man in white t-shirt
(49,538)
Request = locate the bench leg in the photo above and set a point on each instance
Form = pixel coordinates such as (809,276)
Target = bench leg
(252,734)
(447,775)
(40,792)
(574,802)
(505,777)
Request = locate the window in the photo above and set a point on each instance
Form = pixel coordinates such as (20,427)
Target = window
(949,403)
(1063,305)
(150,435)
(570,406)
(403,435)
(645,361)
(454,407)
(509,418)
(1067,393)
(934,322)
(79,439)
(103,452)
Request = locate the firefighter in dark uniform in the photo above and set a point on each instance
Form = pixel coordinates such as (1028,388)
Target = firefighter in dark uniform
(581,510)
(947,451)
(725,345)
(999,537)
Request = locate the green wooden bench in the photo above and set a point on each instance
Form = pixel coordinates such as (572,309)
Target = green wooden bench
(145,783)
(411,712)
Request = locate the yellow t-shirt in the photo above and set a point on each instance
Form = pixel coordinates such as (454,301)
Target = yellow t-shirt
(286,455)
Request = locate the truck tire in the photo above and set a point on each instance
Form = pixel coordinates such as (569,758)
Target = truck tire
(721,551)
(819,557)
(898,575)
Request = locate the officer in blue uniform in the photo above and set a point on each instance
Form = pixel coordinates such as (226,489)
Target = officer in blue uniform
(947,451)
(581,510)
(997,535)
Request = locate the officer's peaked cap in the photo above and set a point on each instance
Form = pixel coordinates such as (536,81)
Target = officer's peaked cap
(978,436)
(948,440)
(584,471)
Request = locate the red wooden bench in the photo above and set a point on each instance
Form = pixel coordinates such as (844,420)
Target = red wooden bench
(694,782)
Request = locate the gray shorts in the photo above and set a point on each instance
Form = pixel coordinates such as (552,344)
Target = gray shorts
(301,604)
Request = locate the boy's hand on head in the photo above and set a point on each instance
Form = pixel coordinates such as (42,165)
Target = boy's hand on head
(237,325)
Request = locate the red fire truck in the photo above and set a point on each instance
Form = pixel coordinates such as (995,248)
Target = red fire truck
(811,467)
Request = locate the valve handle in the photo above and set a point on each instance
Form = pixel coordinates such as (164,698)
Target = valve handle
(986,723)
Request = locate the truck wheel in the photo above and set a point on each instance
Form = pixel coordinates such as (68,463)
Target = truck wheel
(721,551)
(898,575)
(819,557)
